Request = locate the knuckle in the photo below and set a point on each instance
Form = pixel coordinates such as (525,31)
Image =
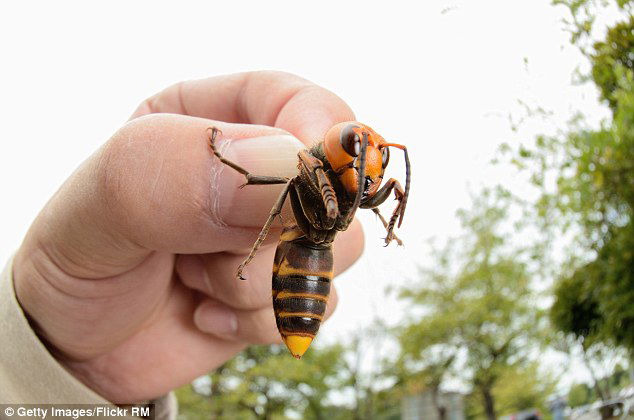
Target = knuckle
(121,160)
(160,102)
(278,74)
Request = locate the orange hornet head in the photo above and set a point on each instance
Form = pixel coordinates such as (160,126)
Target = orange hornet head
(342,145)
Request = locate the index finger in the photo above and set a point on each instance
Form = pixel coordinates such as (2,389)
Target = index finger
(263,97)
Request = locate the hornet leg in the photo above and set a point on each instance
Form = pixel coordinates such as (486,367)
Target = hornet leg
(251,179)
(275,211)
(385,224)
(382,195)
(328,195)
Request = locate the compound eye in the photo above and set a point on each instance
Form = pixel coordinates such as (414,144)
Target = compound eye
(350,140)
(386,156)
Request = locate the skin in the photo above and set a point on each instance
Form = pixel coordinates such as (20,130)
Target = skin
(128,273)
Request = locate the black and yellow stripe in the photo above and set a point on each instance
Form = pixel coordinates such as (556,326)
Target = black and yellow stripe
(302,273)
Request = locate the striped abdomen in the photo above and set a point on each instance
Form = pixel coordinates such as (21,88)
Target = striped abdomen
(301,284)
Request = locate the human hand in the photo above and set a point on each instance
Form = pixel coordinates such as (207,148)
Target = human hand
(128,273)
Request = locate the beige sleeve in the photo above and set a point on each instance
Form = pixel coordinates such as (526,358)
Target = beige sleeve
(28,372)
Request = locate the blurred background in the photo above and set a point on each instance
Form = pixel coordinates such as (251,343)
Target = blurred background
(513,296)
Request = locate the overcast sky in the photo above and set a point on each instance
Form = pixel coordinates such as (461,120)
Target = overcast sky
(441,77)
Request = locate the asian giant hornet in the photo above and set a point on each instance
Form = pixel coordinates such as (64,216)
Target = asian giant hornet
(338,175)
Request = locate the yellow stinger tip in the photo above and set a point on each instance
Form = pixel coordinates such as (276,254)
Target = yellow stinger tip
(297,344)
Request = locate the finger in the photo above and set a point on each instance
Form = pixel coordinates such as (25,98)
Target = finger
(249,326)
(215,274)
(264,97)
(156,186)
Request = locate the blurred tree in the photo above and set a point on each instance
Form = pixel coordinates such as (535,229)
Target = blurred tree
(192,405)
(369,373)
(476,303)
(321,372)
(583,17)
(610,58)
(593,193)
(580,394)
(419,370)
(602,363)
(263,382)
(576,307)
(620,378)
(266,383)
(597,301)
(522,388)
(593,198)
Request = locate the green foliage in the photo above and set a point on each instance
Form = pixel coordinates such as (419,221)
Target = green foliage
(583,16)
(476,299)
(264,382)
(593,193)
(600,192)
(614,286)
(580,394)
(519,388)
(595,303)
(371,400)
(597,165)
(473,407)
(523,388)
(192,405)
(612,56)
(576,307)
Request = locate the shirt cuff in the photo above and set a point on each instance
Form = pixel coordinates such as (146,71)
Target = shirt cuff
(29,374)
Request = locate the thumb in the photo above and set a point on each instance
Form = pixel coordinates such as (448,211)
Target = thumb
(156,186)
